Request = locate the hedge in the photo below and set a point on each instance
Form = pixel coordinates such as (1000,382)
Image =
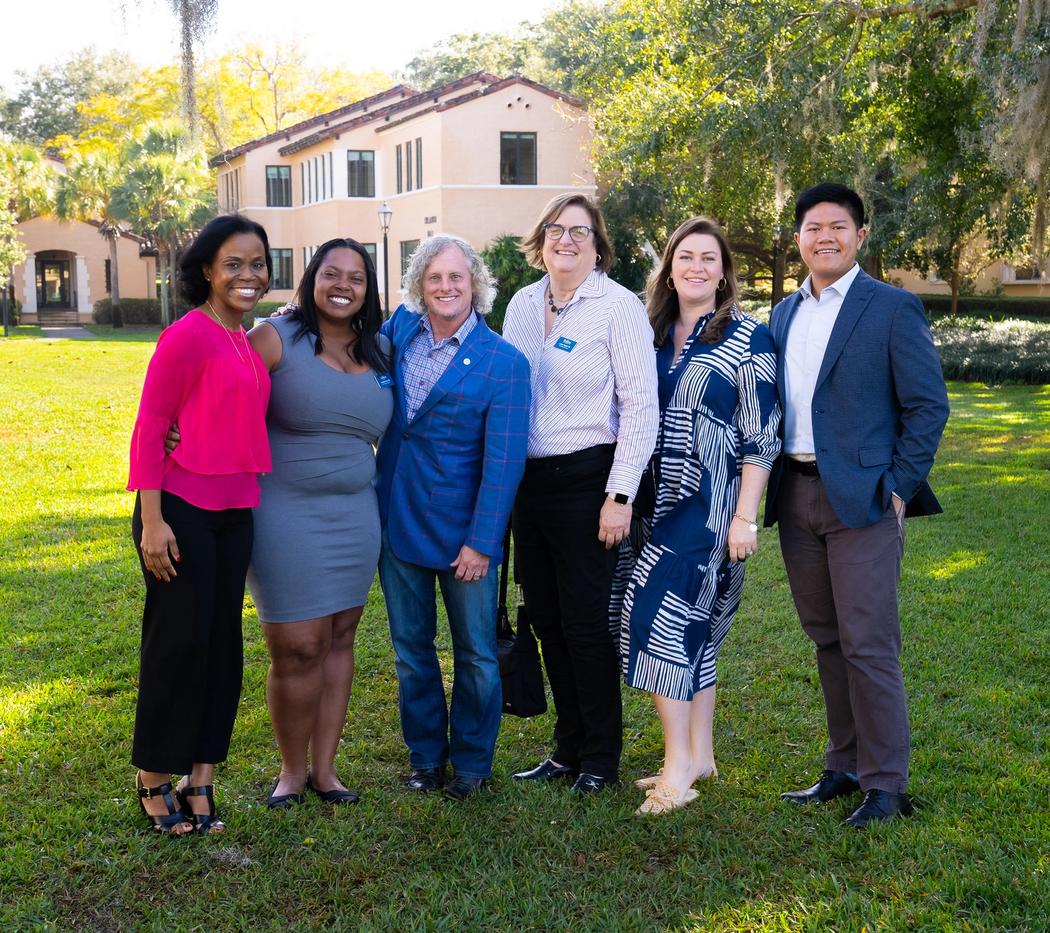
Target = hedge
(975,349)
(999,306)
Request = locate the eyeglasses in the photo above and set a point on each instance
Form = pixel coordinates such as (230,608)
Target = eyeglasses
(579,233)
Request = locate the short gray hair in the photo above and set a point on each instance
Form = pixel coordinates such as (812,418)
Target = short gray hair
(482,284)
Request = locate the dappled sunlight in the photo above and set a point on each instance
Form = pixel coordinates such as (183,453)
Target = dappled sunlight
(958,562)
(17,706)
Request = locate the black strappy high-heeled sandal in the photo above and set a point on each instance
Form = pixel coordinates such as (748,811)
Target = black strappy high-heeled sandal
(202,822)
(167,822)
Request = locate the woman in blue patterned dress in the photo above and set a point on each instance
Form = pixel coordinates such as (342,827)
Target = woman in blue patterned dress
(682,575)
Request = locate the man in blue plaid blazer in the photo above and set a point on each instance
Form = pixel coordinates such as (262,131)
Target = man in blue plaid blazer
(448,468)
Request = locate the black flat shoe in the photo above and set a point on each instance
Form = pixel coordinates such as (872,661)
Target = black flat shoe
(880,806)
(590,784)
(203,823)
(460,788)
(832,784)
(335,795)
(546,770)
(283,801)
(166,823)
(426,779)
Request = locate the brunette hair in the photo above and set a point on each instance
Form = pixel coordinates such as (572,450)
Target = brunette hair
(365,323)
(193,286)
(532,245)
(662,300)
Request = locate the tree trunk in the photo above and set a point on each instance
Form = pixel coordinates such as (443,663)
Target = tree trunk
(114,282)
(955,289)
(162,265)
(779,269)
(873,265)
(173,268)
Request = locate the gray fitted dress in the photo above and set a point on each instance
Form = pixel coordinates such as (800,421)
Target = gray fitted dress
(317,525)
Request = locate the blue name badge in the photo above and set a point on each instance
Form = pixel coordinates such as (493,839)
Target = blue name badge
(564,343)
(384,381)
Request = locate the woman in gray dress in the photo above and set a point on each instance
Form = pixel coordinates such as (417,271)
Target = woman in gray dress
(317,527)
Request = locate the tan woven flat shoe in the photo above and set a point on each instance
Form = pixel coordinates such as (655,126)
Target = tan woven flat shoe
(662,797)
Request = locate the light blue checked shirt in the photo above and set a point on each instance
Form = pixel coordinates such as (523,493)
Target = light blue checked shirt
(424,361)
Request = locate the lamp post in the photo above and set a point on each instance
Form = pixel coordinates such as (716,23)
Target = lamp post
(384,221)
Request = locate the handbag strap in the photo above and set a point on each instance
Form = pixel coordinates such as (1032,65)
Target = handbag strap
(503,628)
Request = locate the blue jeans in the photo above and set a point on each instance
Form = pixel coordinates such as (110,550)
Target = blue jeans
(477,697)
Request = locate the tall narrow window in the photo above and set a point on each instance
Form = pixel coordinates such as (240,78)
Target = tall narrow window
(361,173)
(370,248)
(408,247)
(302,181)
(282,269)
(517,158)
(419,162)
(400,188)
(408,166)
(278,186)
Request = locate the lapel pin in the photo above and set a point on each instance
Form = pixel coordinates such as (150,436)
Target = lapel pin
(466,362)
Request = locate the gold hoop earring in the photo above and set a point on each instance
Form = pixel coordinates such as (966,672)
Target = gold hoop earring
(670,283)
(722,283)
(598,258)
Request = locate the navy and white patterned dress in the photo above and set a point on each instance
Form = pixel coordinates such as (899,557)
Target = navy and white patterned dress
(676,591)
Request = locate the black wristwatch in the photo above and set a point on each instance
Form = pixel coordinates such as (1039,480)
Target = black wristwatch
(620,499)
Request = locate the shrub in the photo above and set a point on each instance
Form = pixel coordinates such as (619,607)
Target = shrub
(507,263)
(14,312)
(975,349)
(132,310)
(993,305)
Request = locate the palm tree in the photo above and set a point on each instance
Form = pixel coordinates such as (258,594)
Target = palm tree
(166,194)
(85,192)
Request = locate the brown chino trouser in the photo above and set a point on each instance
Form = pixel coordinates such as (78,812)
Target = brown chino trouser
(844,583)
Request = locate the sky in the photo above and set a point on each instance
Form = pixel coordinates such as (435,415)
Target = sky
(356,34)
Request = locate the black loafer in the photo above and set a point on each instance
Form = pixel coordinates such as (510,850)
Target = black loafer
(426,779)
(832,784)
(460,788)
(546,770)
(590,783)
(283,801)
(335,795)
(880,806)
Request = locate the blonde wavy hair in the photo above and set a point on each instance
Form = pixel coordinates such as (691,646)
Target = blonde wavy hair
(482,284)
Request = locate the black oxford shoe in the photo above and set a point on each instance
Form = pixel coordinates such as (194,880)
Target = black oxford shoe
(590,783)
(832,784)
(460,788)
(880,806)
(546,770)
(425,779)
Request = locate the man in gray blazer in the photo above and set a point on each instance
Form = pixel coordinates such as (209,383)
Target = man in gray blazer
(864,407)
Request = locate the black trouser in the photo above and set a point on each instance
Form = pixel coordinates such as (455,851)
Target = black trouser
(566,576)
(191,658)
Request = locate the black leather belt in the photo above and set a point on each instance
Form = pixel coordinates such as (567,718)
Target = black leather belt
(805,467)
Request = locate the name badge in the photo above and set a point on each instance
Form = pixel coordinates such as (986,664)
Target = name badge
(384,380)
(564,343)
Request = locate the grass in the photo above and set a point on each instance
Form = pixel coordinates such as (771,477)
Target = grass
(76,854)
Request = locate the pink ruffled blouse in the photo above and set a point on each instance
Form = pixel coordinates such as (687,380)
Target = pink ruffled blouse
(217,387)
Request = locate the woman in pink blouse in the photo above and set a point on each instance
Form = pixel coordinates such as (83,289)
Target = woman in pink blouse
(192,523)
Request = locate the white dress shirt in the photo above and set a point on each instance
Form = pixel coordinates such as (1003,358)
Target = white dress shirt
(593,376)
(807,341)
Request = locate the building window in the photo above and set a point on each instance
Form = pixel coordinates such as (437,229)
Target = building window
(408,247)
(361,173)
(278,186)
(419,162)
(400,186)
(282,269)
(408,166)
(370,248)
(517,158)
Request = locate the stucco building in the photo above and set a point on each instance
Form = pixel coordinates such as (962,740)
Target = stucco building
(477,157)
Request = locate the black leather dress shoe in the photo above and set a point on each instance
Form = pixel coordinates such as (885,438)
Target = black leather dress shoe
(880,806)
(424,779)
(546,770)
(832,784)
(590,783)
(460,788)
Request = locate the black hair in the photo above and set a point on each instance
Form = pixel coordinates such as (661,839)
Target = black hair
(193,286)
(831,193)
(365,323)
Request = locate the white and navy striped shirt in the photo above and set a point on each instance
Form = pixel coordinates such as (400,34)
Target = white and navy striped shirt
(593,377)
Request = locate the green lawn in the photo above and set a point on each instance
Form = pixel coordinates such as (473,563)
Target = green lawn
(76,853)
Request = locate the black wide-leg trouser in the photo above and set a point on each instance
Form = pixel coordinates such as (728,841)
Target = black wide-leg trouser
(191,659)
(566,577)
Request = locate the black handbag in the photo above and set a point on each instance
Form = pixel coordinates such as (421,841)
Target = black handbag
(519,658)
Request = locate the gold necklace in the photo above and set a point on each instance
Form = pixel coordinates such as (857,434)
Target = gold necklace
(233,343)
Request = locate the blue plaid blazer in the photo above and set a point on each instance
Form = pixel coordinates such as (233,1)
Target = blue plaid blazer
(448,477)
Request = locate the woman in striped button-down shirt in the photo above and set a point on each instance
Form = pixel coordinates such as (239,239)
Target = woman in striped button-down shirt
(592,428)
